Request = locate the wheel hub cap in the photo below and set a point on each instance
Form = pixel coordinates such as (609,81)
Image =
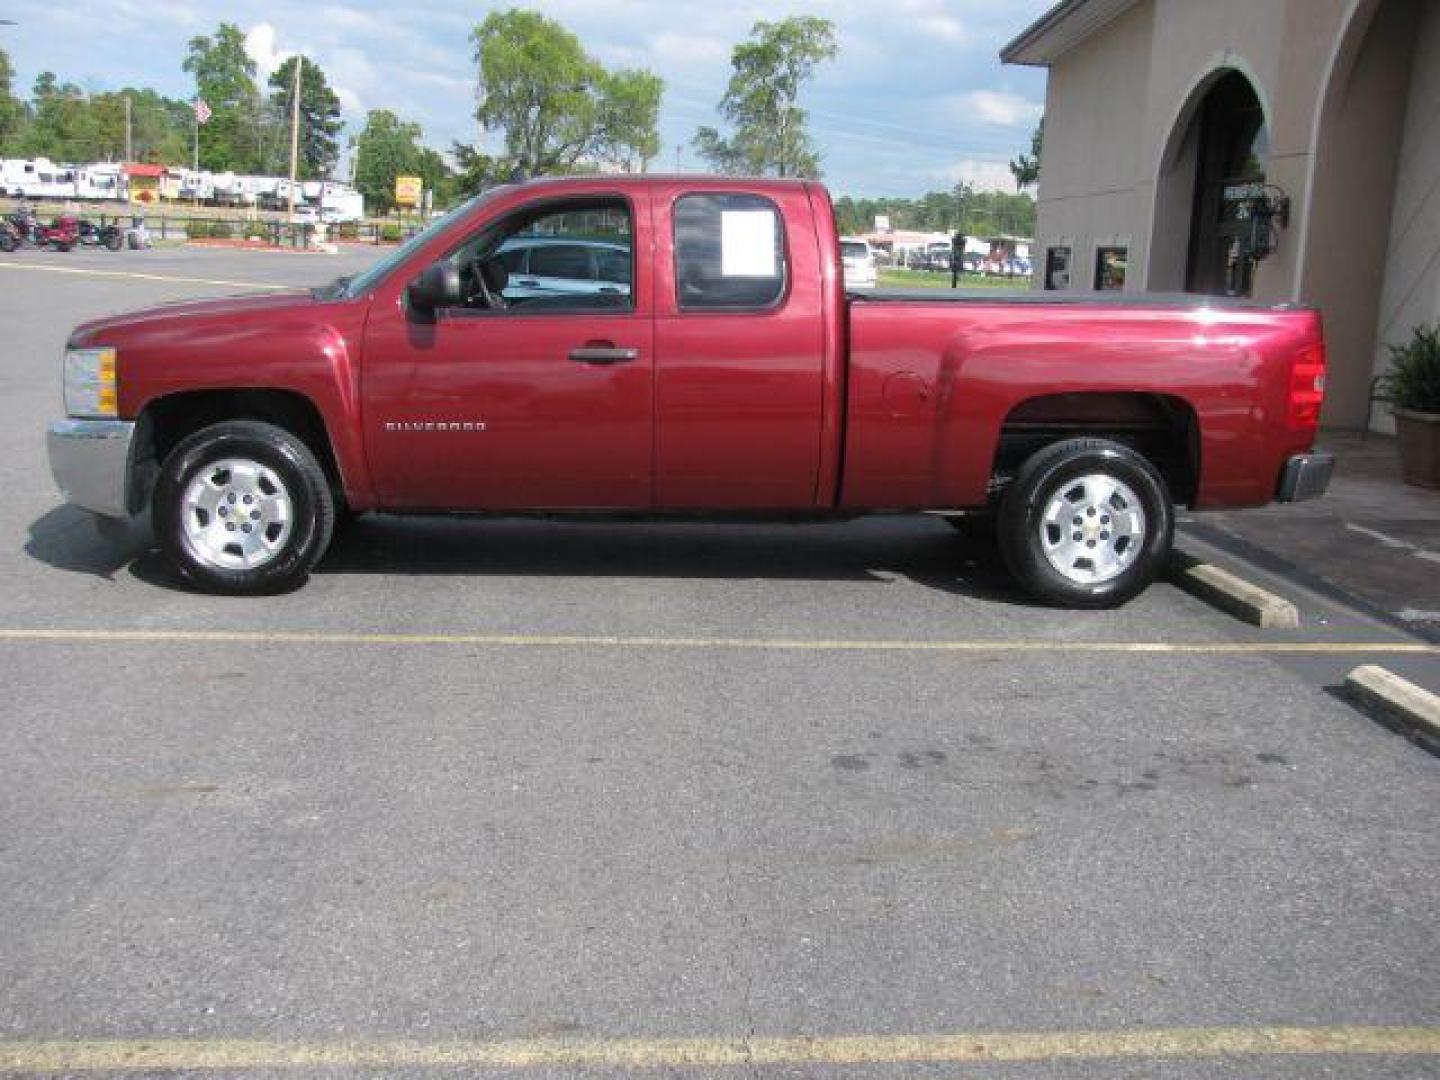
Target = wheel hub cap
(237,514)
(1093,529)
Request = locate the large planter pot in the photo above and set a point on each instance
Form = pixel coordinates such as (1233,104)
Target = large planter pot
(1419,437)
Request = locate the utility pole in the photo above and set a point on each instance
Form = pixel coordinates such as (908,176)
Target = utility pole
(129,147)
(295,130)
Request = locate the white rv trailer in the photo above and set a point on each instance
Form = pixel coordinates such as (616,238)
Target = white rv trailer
(100,180)
(36,178)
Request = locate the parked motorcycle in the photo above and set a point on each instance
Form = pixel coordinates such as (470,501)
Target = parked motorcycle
(62,234)
(110,237)
(26,226)
(9,236)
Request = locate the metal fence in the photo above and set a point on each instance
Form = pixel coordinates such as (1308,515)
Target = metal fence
(182,227)
(273,233)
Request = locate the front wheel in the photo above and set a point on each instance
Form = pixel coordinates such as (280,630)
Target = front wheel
(1087,523)
(243,507)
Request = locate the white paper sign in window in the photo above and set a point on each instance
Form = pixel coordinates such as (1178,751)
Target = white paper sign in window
(747,243)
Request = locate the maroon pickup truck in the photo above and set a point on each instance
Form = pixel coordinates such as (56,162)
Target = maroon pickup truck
(683,345)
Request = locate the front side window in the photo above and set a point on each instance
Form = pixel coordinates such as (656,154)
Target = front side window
(555,256)
(729,253)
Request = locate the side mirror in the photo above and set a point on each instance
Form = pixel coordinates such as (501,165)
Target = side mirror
(438,286)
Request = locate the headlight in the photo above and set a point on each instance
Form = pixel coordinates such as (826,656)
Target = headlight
(90,387)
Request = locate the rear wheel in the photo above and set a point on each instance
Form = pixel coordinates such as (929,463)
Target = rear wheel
(1088,523)
(243,507)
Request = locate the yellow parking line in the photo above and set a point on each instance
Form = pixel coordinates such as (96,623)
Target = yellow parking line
(113,1055)
(606,641)
(141,277)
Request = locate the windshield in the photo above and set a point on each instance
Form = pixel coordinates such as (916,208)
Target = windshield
(381,269)
(852,250)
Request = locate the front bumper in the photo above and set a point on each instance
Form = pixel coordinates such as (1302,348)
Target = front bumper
(1306,476)
(91,460)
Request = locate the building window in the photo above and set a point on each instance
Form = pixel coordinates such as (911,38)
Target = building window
(1110,264)
(729,252)
(1057,268)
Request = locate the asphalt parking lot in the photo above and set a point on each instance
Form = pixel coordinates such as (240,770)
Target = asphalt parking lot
(534,798)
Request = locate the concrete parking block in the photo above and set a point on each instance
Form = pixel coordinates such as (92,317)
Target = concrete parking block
(1414,706)
(1233,594)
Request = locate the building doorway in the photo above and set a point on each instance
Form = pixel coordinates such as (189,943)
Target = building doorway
(1232,147)
(1211,169)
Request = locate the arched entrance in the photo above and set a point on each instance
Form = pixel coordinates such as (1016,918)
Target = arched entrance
(1216,154)
(1356,149)
(1233,145)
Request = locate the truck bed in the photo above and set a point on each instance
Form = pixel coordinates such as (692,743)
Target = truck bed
(1175,300)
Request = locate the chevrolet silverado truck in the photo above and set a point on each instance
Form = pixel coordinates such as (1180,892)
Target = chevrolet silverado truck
(683,345)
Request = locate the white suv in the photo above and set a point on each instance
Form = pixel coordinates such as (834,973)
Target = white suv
(859,262)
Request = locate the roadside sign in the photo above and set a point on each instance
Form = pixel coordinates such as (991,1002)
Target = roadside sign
(408,189)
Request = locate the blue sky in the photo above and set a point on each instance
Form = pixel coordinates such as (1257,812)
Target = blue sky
(915,100)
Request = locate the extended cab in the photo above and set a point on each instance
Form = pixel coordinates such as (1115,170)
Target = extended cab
(703,357)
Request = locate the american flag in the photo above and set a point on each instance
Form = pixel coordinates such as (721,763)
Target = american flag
(202,111)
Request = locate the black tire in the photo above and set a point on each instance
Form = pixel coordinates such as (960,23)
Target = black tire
(304,483)
(1042,478)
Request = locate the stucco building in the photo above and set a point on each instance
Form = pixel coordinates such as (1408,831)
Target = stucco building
(1173,127)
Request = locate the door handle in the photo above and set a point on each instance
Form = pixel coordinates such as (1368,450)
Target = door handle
(603,353)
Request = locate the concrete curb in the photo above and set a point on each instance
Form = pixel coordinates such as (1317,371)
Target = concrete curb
(1413,706)
(1233,594)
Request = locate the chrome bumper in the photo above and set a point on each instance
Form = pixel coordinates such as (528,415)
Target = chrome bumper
(1306,476)
(90,460)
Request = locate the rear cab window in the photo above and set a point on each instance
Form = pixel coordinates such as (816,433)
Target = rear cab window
(729,252)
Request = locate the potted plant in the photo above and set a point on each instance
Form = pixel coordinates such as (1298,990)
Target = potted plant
(1413,389)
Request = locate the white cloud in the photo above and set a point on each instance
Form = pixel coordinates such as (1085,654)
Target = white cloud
(984,175)
(995,107)
(260,47)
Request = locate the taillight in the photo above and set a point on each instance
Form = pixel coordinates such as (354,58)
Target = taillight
(1307,386)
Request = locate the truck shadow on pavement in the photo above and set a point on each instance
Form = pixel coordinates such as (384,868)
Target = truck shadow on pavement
(70,539)
(879,549)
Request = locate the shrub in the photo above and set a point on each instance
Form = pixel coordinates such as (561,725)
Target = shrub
(390,232)
(1413,381)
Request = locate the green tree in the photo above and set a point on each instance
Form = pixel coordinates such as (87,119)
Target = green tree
(61,126)
(760,103)
(975,213)
(234,137)
(557,106)
(1026,168)
(160,127)
(320,122)
(387,147)
(474,171)
(13,114)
